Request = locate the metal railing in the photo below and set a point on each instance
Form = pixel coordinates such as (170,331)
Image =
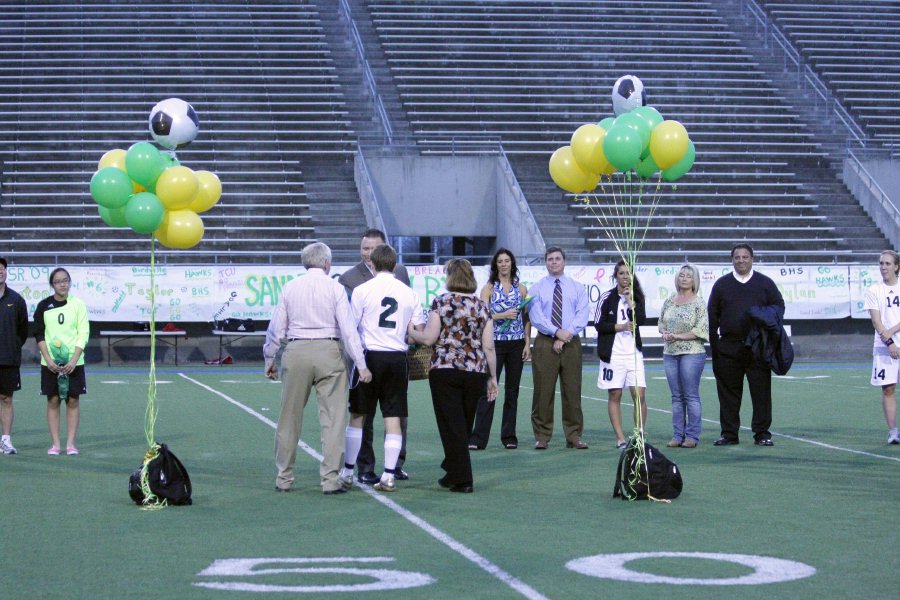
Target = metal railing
(367,73)
(806,76)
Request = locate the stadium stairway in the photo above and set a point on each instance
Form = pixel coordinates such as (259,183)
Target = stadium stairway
(77,80)
(529,74)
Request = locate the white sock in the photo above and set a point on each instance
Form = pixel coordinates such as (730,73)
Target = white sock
(5,438)
(352,443)
(392,445)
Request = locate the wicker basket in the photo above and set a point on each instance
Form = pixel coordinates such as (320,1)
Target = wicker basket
(418,361)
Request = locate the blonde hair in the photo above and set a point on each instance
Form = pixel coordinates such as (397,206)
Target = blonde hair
(695,275)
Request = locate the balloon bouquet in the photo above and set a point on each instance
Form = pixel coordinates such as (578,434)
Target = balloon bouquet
(637,143)
(150,191)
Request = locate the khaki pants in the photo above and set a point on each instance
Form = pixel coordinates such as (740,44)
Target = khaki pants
(548,366)
(304,364)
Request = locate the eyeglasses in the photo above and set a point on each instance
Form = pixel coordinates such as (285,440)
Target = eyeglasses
(60,281)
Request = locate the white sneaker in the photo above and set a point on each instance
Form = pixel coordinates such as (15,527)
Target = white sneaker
(386,484)
(6,446)
(345,478)
(893,437)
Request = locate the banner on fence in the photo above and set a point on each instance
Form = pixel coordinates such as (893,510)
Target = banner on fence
(206,293)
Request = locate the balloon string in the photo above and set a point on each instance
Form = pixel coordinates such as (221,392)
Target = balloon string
(150,413)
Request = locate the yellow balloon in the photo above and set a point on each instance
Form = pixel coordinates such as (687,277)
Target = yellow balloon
(176,187)
(161,233)
(587,148)
(668,143)
(208,192)
(113,158)
(183,229)
(568,175)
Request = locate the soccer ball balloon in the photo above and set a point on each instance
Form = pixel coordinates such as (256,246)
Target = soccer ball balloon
(627,94)
(173,123)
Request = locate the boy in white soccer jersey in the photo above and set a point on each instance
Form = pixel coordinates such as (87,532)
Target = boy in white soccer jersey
(383,307)
(883,303)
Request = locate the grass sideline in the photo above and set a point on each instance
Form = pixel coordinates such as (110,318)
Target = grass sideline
(822,497)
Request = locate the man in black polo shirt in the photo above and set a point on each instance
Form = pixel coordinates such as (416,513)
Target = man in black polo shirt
(731,298)
(13,333)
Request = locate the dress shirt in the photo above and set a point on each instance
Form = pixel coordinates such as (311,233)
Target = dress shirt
(742,278)
(575,311)
(314,306)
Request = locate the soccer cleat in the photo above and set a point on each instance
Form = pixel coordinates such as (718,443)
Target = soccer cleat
(6,446)
(345,478)
(893,437)
(386,484)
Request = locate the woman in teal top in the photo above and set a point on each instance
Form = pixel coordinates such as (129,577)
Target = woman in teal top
(62,331)
(684,326)
(507,298)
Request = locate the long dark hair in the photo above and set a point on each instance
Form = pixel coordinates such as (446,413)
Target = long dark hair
(495,272)
(636,290)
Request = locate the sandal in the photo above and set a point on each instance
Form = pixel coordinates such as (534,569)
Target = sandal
(72,451)
(621,445)
(53,451)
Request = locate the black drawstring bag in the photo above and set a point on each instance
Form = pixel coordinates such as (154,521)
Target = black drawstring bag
(653,477)
(167,481)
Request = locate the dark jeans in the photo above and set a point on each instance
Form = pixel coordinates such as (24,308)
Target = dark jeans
(509,354)
(732,361)
(455,395)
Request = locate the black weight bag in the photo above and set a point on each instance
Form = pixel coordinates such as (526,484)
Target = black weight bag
(237,325)
(167,478)
(655,477)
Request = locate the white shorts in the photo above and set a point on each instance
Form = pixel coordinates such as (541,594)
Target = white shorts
(623,371)
(885,369)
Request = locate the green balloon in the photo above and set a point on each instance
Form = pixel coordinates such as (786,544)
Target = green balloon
(144,212)
(676,171)
(144,163)
(607,123)
(630,119)
(649,114)
(622,147)
(114,217)
(646,167)
(110,187)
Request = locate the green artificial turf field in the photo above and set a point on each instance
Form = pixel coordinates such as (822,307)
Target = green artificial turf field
(813,517)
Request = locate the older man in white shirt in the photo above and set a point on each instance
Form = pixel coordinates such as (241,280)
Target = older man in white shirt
(314,316)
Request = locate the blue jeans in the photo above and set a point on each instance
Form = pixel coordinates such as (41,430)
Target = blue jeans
(683,373)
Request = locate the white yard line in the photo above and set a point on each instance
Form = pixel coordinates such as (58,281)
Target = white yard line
(422,524)
(774,433)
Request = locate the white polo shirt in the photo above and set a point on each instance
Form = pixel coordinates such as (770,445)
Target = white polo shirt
(383,308)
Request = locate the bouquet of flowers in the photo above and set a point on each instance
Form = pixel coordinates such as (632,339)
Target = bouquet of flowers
(60,354)
(507,323)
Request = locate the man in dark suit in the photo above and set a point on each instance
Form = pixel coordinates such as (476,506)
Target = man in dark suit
(350,279)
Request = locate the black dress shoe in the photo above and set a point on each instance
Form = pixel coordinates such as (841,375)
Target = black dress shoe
(400,474)
(335,492)
(764,442)
(278,489)
(369,478)
(444,483)
(462,488)
(724,441)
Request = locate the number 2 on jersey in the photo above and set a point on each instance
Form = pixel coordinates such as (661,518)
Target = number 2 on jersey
(390,307)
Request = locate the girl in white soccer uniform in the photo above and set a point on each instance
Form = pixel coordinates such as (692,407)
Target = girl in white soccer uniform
(620,312)
(883,303)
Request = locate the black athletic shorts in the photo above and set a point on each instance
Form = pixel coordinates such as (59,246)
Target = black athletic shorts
(50,382)
(10,380)
(388,386)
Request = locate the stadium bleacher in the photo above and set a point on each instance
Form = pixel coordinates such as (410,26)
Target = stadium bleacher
(282,104)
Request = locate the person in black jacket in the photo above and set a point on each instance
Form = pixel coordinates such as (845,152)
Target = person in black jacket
(13,333)
(730,301)
(620,313)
